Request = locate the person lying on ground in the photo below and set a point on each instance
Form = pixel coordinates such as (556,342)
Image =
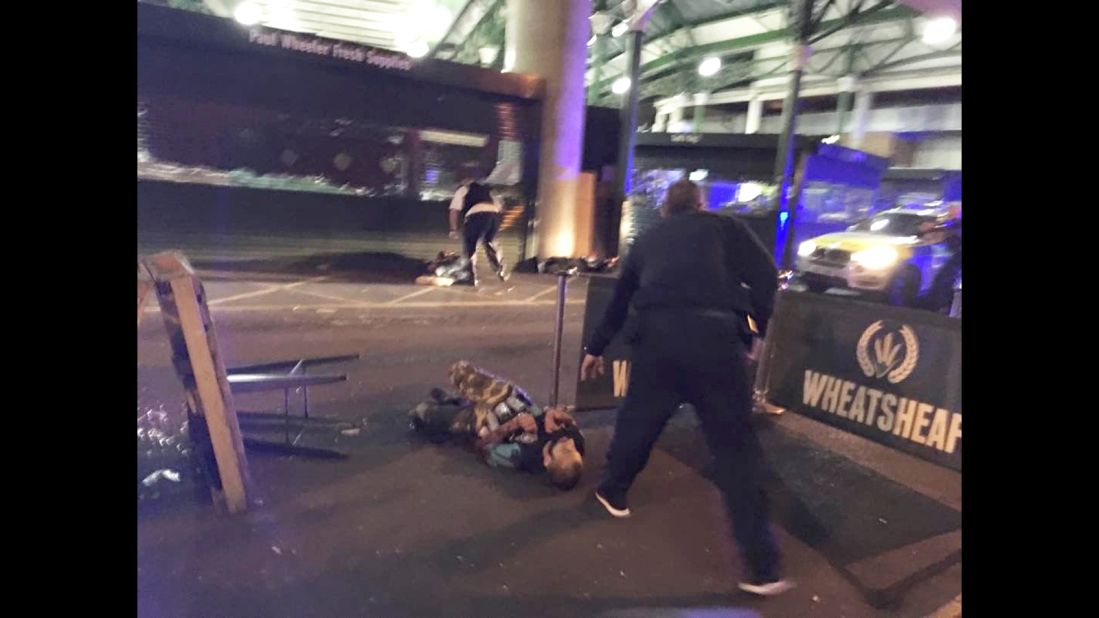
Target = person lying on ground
(502,423)
(550,442)
(495,400)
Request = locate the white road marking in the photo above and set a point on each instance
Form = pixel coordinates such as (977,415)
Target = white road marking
(269,290)
(408,296)
(339,299)
(543,292)
(388,305)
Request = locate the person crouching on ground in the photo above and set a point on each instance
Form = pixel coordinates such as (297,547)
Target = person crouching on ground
(480,212)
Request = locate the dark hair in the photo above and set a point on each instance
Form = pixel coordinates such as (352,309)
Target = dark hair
(683,196)
(566,475)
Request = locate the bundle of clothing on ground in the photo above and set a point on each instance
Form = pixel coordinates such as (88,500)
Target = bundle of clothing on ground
(445,270)
(554,265)
(503,425)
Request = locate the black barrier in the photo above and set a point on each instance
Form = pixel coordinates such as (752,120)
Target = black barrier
(889,374)
(608,390)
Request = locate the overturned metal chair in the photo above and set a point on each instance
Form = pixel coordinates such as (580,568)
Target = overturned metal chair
(287,376)
(187,319)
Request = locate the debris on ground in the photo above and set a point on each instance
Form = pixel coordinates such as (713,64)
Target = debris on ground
(163,473)
(584,265)
(164,451)
(439,282)
(445,270)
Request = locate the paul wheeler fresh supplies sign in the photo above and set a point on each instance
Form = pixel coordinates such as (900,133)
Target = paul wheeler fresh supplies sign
(889,374)
(333,49)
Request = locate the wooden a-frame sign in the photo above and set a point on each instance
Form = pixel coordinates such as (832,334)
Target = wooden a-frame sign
(198,362)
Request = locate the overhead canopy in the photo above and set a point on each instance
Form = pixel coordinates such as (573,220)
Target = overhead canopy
(879,42)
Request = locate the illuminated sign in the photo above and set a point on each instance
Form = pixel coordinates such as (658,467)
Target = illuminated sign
(332,49)
(686,138)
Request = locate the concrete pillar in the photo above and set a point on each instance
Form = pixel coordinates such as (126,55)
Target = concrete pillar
(549,39)
(660,125)
(860,116)
(598,58)
(755,113)
(675,120)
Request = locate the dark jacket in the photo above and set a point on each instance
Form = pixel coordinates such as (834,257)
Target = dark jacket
(696,261)
(476,193)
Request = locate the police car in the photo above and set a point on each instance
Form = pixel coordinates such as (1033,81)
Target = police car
(895,253)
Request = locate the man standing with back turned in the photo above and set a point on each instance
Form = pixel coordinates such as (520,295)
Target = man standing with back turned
(693,279)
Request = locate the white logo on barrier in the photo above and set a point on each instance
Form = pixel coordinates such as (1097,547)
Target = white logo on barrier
(887,361)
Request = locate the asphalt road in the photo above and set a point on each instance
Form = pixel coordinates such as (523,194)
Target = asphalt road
(405,528)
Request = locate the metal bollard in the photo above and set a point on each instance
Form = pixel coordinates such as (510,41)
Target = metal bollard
(956,306)
(558,330)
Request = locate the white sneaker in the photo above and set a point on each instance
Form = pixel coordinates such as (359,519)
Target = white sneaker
(768,589)
(621,511)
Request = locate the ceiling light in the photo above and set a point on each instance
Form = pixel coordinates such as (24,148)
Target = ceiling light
(248,13)
(418,49)
(439,22)
(709,66)
(488,54)
(939,30)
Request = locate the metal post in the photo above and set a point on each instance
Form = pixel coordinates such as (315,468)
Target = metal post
(597,57)
(700,100)
(286,413)
(784,162)
(755,111)
(847,87)
(843,105)
(558,331)
(597,61)
(627,119)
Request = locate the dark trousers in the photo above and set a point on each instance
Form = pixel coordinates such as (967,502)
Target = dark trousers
(940,294)
(442,422)
(681,357)
(482,227)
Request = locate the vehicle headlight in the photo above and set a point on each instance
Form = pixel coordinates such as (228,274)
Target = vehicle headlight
(806,248)
(876,258)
